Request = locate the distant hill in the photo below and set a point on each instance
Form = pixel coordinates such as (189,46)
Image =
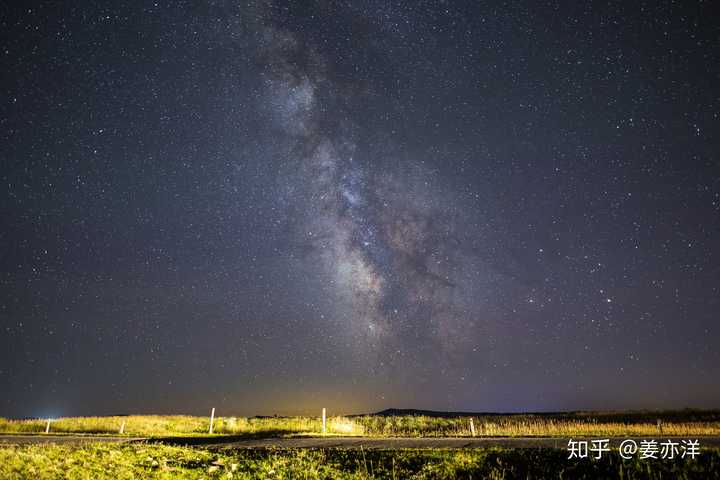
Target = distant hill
(397,412)
(630,416)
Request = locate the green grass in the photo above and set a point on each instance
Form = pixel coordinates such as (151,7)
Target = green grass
(560,425)
(129,461)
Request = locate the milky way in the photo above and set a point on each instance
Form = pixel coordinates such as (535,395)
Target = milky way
(386,238)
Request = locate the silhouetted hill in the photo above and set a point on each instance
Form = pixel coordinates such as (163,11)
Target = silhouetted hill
(397,412)
(630,416)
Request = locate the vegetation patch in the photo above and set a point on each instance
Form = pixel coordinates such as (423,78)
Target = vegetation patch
(129,461)
(584,424)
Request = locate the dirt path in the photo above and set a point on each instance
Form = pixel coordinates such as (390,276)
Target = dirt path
(393,443)
(234,442)
(396,443)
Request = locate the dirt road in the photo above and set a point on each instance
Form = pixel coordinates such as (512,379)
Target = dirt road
(396,443)
(234,442)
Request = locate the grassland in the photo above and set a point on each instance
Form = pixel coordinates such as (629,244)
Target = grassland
(129,461)
(560,425)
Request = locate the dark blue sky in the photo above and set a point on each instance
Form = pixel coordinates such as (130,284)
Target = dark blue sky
(274,207)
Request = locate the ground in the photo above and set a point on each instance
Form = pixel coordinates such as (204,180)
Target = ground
(368,447)
(127,461)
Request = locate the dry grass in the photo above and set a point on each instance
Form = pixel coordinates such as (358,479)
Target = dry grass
(377,426)
(526,427)
(179,425)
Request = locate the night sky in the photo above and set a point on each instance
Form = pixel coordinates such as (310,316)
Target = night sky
(271,207)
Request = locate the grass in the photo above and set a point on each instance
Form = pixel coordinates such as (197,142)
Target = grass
(127,461)
(560,425)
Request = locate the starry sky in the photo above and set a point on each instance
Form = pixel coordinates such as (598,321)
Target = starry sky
(273,207)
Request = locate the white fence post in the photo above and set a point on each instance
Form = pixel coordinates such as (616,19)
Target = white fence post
(212,419)
(47,427)
(472,427)
(324,418)
(122,428)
